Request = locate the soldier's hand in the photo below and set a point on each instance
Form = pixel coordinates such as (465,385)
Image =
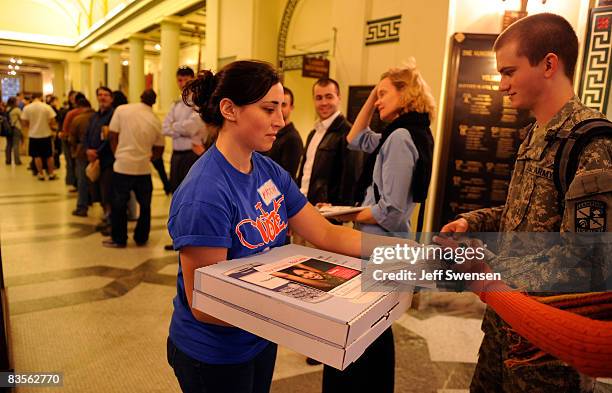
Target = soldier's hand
(457,226)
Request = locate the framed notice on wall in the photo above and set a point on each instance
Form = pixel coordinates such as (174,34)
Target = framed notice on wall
(481,132)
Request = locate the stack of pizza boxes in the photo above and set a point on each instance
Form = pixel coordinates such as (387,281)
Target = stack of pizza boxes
(308,300)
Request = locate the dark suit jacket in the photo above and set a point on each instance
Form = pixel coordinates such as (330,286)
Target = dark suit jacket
(287,149)
(335,169)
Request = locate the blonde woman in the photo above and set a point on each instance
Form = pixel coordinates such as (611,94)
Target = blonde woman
(400,161)
(399,170)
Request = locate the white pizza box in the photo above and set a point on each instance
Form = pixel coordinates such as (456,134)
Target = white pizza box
(332,321)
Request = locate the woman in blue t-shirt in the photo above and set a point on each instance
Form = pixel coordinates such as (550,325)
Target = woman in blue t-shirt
(233,203)
(399,171)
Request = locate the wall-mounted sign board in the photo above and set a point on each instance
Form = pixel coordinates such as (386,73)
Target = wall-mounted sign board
(481,132)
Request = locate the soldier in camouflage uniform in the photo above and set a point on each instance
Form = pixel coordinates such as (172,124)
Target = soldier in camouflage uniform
(536,57)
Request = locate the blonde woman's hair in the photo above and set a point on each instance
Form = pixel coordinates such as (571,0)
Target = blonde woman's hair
(414,92)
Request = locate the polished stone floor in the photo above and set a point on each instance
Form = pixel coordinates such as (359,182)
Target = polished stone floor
(101,315)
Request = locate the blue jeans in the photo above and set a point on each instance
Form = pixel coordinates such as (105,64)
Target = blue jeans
(143,189)
(12,147)
(254,376)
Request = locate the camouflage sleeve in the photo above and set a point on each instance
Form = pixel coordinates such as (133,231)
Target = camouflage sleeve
(582,255)
(588,200)
(483,220)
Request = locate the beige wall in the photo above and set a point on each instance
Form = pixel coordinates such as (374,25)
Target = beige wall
(485,16)
(310,31)
(236,29)
(353,63)
(189,56)
(267,16)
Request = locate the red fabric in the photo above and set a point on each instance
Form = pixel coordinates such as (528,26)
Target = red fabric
(584,343)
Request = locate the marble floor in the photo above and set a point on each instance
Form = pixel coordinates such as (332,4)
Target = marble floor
(101,315)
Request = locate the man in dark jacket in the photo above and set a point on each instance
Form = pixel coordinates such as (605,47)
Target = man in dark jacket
(288,147)
(329,170)
(98,148)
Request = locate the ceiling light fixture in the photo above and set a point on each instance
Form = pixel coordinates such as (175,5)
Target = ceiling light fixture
(125,62)
(16,67)
(13,60)
(157,47)
(19,61)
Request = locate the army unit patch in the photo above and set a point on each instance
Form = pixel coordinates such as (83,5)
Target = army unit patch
(590,216)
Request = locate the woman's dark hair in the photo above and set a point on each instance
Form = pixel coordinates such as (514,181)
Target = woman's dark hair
(81,101)
(244,82)
(119,98)
(12,101)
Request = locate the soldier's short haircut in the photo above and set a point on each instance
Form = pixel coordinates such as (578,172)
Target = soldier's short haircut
(325,82)
(540,34)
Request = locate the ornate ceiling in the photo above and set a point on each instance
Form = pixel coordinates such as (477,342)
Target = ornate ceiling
(61,22)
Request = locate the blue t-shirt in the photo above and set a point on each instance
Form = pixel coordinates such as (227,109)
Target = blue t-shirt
(218,206)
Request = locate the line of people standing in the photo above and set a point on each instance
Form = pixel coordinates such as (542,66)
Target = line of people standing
(111,150)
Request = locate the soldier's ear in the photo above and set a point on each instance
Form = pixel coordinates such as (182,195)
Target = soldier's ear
(551,64)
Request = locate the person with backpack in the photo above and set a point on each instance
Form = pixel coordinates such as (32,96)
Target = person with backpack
(399,170)
(550,191)
(13,131)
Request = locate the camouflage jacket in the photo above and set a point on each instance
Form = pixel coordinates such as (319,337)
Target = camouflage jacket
(533,203)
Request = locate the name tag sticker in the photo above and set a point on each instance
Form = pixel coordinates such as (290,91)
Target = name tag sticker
(268,192)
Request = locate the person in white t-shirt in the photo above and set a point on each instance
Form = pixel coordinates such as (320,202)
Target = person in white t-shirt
(135,134)
(39,118)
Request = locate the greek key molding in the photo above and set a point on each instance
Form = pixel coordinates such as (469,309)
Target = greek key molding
(383,30)
(596,75)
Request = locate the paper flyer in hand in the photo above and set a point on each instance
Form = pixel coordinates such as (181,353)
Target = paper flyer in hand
(331,211)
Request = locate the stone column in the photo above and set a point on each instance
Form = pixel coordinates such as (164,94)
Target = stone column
(86,83)
(211,40)
(168,92)
(136,70)
(114,67)
(59,85)
(97,72)
(74,75)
